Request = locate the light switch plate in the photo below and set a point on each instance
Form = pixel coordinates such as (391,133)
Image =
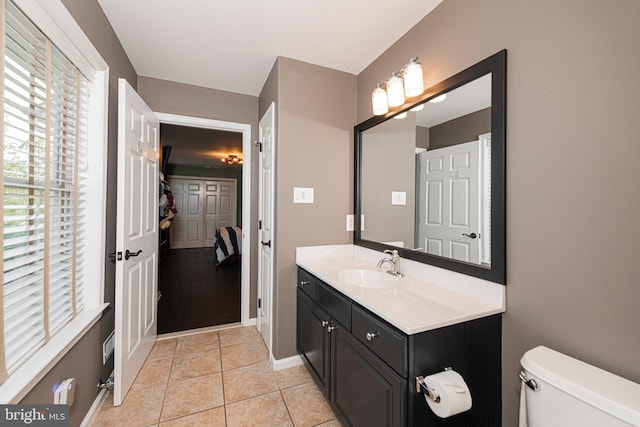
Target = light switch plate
(302,195)
(398,198)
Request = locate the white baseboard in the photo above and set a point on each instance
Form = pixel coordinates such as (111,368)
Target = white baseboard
(95,407)
(288,362)
(250,322)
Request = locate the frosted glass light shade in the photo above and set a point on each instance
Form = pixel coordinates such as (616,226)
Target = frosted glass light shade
(400,116)
(395,91)
(379,101)
(413,80)
(438,98)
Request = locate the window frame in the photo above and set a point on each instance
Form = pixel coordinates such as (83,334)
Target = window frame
(55,21)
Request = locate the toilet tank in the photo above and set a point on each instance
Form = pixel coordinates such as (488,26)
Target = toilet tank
(573,393)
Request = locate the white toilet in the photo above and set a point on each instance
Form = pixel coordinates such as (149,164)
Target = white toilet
(560,391)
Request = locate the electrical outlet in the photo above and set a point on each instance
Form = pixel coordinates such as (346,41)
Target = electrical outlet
(350,223)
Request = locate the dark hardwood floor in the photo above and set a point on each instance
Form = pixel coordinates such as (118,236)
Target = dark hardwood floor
(195,293)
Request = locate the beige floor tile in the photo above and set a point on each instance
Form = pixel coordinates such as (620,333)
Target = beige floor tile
(198,342)
(140,408)
(236,356)
(307,406)
(248,381)
(267,410)
(154,372)
(211,418)
(163,348)
(192,365)
(293,376)
(191,396)
(238,335)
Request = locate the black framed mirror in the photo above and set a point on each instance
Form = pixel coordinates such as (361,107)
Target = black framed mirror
(432,185)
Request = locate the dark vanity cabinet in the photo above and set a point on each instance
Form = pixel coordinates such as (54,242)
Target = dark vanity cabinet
(367,367)
(360,386)
(314,339)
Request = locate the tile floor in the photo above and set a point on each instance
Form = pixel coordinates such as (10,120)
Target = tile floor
(219,378)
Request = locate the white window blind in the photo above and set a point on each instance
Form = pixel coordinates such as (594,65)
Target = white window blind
(44,149)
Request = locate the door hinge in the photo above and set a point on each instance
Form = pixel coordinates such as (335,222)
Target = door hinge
(259,224)
(259,302)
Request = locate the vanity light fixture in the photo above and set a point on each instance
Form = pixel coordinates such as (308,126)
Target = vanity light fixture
(438,98)
(232,159)
(400,116)
(413,80)
(407,82)
(379,100)
(395,91)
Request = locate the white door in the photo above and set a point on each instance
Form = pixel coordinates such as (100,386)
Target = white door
(136,238)
(265,218)
(449,202)
(219,208)
(202,206)
(186,230)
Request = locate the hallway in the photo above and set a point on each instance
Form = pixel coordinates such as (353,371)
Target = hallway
(220,378)
(195,293)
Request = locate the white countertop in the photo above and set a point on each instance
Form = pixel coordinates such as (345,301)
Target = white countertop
(419,303)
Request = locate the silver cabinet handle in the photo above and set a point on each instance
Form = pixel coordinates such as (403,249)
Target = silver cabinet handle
(325,323)
(304,282)
(331,328)
(372,335)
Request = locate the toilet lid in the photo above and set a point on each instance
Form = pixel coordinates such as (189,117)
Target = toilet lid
(606,391)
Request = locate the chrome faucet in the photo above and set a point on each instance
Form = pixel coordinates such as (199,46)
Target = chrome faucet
(394,261)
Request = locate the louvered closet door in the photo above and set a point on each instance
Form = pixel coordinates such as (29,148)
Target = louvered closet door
(202,206)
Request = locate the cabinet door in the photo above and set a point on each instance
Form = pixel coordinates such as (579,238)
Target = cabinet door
(313,340)
(366,392)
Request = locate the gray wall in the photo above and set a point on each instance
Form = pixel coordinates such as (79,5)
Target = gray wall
(572,166)
(164,96)
(460,130)
(389,164)
(84,360)
(315,114)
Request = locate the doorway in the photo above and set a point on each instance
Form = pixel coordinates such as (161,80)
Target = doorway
(189,265)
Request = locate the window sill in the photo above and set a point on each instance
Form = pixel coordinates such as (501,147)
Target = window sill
(30,373)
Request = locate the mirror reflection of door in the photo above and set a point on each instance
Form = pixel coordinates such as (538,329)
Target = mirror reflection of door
(448,201)
(452,138)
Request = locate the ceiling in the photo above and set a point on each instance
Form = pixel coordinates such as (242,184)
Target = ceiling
(233,45)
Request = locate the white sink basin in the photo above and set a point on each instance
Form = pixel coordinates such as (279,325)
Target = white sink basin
(369,278)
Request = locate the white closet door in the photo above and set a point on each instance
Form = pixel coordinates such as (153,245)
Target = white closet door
(202,206)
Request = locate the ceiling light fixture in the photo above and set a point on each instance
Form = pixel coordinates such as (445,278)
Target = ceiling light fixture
(407,82)
(232,159)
